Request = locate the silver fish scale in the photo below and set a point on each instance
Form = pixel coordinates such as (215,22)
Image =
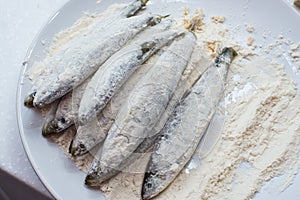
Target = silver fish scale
(146,103)
(184,129)
(85,57)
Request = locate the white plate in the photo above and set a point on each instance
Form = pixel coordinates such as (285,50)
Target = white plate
(57,172)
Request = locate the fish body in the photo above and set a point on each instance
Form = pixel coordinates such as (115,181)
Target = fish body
(95,131)
(84,57)
(116,70)
(181,134)
(67,110)
(144,107)
(92,133)
(77,51)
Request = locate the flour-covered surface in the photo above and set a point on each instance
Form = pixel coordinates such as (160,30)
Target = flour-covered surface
(259,138)
(260,135)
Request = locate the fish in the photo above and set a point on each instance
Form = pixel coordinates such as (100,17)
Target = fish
(116,70)
(67,110)
(83,58)
(102,176)
(182,132)
(54,67)
(47,125)
(146,104)
(95,131)
(92,133)
(147,145)
(131,9)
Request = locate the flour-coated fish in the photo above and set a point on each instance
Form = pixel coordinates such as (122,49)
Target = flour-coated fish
(146,104)
(56,65)
(182,132)
(116,70)
(84,57)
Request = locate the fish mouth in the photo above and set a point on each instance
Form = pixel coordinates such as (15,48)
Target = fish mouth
(28,102)
(230,50)
(70,147)
(77,150)
(147,195)
(144,2)
(49,127)
(156,20)
(149,188)
(91,180)
(226,56)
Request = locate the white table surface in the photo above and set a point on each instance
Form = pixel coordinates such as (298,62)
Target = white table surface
(20,21)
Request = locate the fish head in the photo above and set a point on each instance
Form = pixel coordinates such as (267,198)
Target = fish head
(152,184)
(148,46)
(92,180)
(63,123)
(49,127)
(28,102)
(77,148)
(225,57)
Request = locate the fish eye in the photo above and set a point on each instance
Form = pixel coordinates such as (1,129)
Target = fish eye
(63,120)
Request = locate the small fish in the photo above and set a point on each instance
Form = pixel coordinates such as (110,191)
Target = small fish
(94,177)
(131,9)
(81,48)
(83,58)
(116,70)
(92,133)
(181,134)
(67,110)
(147,102)
(147,144)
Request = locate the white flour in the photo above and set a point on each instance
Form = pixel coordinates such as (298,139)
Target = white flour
(260,137)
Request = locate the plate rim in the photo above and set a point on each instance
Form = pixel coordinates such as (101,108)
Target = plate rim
(24,67)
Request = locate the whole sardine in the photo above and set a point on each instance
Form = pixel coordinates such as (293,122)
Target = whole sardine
(67,110)
(182,132)
(146,146)
(92,133)
(84,57)
(116,70)
(57,64)
(94,177)
(146,104)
